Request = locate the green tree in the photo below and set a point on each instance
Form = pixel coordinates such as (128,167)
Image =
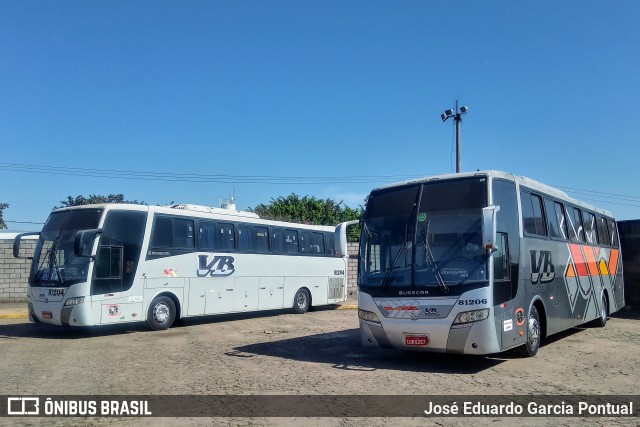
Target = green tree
(94,199)
(309,210)
(3,206)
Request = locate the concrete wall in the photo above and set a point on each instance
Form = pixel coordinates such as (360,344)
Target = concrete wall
(14,272)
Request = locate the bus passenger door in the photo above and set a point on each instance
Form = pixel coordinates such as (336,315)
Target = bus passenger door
(507,319)
(271,295)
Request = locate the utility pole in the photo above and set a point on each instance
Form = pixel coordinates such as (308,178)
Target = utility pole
(457,117)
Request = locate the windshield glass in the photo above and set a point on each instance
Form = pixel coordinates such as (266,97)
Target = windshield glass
(54,263)
(424,235)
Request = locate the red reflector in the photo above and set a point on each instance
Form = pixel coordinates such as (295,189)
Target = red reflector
(47,315)
(419,340)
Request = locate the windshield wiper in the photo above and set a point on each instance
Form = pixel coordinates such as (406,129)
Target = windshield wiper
(42,261)
(53,263)
(432,262)
(390,273)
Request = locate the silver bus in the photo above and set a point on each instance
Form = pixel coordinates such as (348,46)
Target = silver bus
(483,262)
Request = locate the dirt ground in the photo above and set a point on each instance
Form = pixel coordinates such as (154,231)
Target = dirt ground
(317,353)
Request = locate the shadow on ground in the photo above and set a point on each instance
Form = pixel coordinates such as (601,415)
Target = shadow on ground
(24,329)
(342,350)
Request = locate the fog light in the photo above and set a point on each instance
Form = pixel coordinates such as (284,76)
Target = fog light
(369,316)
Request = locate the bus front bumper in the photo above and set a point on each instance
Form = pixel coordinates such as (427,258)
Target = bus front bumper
(56,313)
(436,335)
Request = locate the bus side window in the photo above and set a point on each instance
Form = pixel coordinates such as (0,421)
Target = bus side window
(277,240)
(183,236)
(171,232)
(532,216)
(316,243)
(162,235)
(291,241)
(555,219)
(502,291)
(206,231)
(304,242)
(119,251)
(603,232)
(501,270)
(311,243)
(590,231)
(225,236)
(576,232)
(330,242)
(613,233)
(245,238)
(261,239)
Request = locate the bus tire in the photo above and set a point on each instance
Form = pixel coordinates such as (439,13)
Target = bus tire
(301,301)
(534,334)
(161,313)
(601,321)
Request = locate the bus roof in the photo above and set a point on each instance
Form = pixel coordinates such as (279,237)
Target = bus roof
(521,180)
(199,211)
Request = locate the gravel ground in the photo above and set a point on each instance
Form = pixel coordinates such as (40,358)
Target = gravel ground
(317,353)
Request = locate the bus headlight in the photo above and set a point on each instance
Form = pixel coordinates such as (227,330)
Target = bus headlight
(73,301)
(369,316)
(471,316)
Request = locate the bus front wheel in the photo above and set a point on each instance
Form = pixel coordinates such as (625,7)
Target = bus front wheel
(161,314)
(301,301)
(534,334)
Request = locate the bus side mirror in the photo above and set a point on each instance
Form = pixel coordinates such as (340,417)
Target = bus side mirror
(341,237)
(83,243)
(16,244)
(489,228)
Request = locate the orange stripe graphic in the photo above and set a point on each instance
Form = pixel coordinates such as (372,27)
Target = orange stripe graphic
(613,261)
(570,271)
(591,261)
(578,259)
(604,270)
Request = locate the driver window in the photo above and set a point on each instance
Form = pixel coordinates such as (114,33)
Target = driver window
(501,270)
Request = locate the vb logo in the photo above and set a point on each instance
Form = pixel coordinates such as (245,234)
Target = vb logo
(219,266)
(542,269)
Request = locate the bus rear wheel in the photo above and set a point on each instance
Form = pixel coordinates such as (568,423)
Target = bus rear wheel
(534,334)
(301,301)
(161,314)
(604,312)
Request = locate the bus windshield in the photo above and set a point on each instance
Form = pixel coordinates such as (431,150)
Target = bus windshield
(424,235)
(54,263)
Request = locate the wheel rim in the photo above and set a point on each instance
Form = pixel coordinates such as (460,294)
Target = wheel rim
(161,312)
(603,310)
(534,332)
(301,300)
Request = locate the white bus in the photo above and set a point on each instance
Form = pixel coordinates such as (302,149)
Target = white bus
(117,263)
(483,262)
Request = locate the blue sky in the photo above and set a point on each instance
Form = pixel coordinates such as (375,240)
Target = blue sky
(313,89)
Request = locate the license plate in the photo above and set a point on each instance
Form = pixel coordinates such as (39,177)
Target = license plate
(419,340)
(47,315)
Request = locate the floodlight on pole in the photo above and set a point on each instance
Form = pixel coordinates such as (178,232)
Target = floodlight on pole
(457,117)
